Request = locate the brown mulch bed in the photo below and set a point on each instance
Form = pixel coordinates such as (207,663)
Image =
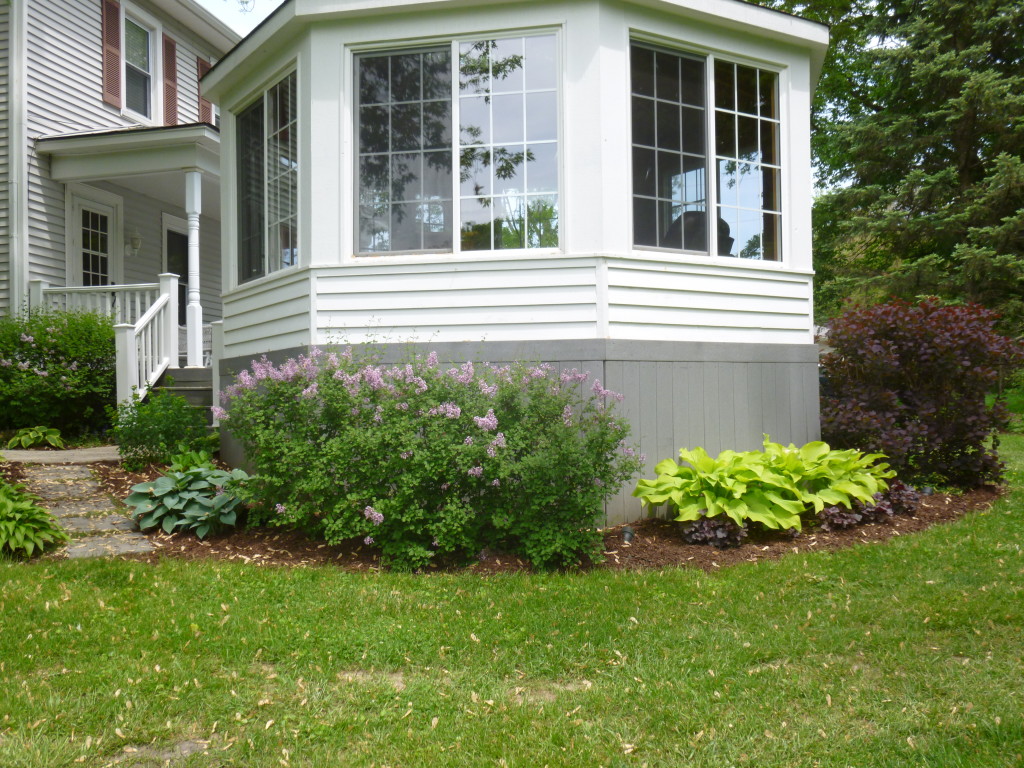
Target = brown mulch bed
(656,544)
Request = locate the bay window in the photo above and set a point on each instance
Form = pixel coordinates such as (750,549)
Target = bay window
(267,182)
(492,183)
(691,147)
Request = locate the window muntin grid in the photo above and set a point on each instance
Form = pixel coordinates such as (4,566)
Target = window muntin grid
(507,152)
(282,175)
(266,193)
(138,72)
(672,138)
(747,159)
(95,248)
(405,164)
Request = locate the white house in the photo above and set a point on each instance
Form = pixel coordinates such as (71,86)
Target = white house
(109,164)
(617,185)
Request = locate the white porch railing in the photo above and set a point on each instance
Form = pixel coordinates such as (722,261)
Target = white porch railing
(145,325)
(125,303)
(149,346)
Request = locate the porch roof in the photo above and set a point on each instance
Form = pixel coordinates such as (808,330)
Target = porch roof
(150,161)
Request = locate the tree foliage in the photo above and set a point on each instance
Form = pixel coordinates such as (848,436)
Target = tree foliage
(919,138)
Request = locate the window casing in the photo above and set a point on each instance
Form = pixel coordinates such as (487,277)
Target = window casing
(502,95)
(140,65)
(704,129)
(266,139)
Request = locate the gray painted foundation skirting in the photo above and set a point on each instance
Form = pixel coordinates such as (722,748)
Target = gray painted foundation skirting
(677,394)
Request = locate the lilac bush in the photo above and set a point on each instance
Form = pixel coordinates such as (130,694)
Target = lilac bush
(431,461)
(56,369)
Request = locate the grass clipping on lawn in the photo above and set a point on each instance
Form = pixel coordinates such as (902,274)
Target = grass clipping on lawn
(904,653)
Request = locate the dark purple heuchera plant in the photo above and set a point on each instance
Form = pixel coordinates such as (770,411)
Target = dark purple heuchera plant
(899,499)
(719,531)
(909,381)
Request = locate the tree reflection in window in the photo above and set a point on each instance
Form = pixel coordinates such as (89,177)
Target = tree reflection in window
(508,135)
(507,150)
(672,145)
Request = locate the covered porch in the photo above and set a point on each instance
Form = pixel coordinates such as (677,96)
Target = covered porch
(142,229)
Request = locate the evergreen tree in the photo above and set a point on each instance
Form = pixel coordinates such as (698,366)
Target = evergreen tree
(919,136)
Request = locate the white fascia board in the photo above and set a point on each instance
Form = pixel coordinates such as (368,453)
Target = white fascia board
(89,157)
(294,15)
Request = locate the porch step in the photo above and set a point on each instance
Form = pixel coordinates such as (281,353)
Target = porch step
(194,384)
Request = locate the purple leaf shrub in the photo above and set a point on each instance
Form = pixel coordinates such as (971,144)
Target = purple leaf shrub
(909,381)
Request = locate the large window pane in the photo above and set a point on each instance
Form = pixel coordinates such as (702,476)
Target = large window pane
(137,68)
(749,176)
(404,172)
(508,97)
(672,141)
(250,192)
(669,180)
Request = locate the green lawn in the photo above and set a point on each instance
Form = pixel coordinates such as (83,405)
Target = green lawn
(904,654)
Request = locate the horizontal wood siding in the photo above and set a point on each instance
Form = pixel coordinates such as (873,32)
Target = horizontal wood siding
(64,93)
(692,302)
(494,300)
(5,248)
(272,315)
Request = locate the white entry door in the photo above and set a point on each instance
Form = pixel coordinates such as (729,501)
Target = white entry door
(94,238)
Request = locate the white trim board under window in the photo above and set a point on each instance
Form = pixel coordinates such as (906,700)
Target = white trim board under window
(94,236)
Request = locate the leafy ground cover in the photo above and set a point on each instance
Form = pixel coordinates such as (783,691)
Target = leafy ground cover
(903,653)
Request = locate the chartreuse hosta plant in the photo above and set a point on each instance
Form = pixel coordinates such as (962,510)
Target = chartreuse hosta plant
(773,487)
(201,499)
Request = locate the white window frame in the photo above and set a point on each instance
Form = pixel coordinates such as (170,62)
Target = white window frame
(710,57)
(261,96)
(77,197)
(454,41)
(156,91)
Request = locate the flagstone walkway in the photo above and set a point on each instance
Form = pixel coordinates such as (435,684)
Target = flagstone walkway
(98,527)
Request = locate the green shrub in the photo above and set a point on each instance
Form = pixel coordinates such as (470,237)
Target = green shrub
(26,529)
(154,430)
(201,499)
(425,461)
(56,368)
(191,460)
(29,437)
(774,487)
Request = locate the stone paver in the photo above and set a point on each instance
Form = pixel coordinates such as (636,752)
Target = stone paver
(90,507)
(73,495)
(99,525)
(106,546)
(70,456)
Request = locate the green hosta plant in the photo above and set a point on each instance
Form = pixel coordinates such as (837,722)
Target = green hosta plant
(191,460)
(774,487)
(201,499)
(26,528)
(29,437)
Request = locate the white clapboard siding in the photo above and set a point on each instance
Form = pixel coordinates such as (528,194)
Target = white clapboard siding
(660,300)
(493,300)
(64,94)
(273,314)
(5,248)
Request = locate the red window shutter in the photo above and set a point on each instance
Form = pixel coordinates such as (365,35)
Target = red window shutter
(170,81)
(205,107)
(112,53)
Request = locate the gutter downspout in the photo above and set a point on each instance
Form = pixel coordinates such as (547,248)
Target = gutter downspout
(18,149)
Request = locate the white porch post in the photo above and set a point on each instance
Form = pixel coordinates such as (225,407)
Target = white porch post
(169,331)
(194,310)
